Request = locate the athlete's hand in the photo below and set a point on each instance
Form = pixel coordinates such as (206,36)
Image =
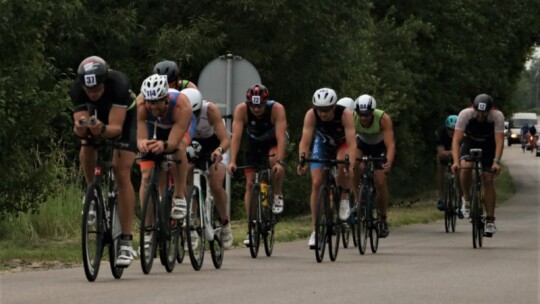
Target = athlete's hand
(143,145)
(278,170)
(496,168)
(231,168)
(156,146)
(454,168)
(301,170)
(95,126)
(80,128)
(387,167)
(216,157)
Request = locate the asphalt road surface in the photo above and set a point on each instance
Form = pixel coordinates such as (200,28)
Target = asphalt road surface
(415,264)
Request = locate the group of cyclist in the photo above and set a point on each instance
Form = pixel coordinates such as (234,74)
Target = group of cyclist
(528,135)
(478,126)
(170,113)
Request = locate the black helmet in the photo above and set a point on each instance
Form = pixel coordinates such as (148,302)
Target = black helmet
(257,94)
(92,71)
(483,103)
(169,68)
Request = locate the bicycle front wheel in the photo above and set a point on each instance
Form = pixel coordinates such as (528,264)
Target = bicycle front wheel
(476,219)
(334,225)
(254,223)
(217,250)
(374,223)
(148,232)
(362,221)
(195,231)
(114,245)
(321,226)
(169,244)
(92,230)
(269,222)
(448,210)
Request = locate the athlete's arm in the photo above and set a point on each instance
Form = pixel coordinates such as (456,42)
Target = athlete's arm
(280,123)
(350,137)
(142,130)
(182,117)
(216,120)
(237,130)
(307,138)
(389,142)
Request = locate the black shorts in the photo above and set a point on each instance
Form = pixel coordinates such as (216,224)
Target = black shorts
(257,151)
(376,150)
(488,152)
(129,131)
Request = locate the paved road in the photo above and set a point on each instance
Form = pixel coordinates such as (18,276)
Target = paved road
(416,264)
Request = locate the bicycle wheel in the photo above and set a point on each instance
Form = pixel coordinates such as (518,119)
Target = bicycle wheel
(476,219)
(334,225)
(454,205)
(217,250)
(148,232)
(321,227)
(181,250)
(92,232)
(347,225)
(374,223)
(195,235)
(353,219)
(362,221)
(268,231)
(114,245)
(169,243)
(254,224)
(448,208)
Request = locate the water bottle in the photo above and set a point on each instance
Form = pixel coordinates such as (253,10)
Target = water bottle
(264,193)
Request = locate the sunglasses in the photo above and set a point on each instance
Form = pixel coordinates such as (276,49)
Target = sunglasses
(324,109)
(364,114)
(257,106)
(93,89)
(153,102)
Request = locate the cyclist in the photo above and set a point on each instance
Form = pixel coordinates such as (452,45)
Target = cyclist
(168,112)
(332,129)
(533,138)
(443,142)
(211,134)
(347,102)
(375,137)
(524,135)
(479,126)
(170,68)
(102,93)
(265,122)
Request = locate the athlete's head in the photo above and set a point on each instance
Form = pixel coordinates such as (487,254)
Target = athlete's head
(154,90)
(347,102)
(365,105)
(324,101)
(92,73)
(451,122)
(256,98)
(169,68)
(482,105)
(195,99)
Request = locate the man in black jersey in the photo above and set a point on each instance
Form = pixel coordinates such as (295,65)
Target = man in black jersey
(331,128)
(265,122)
(103,107)
(480,126)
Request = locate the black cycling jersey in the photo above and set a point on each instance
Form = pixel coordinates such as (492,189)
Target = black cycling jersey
(331,132)
(532,130)
(261,129)
(442,139)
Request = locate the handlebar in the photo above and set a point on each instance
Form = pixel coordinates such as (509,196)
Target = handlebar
(331,162)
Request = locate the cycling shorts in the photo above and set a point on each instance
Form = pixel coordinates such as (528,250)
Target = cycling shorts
(322,150)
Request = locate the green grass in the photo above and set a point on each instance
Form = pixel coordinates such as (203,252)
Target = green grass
(51,237)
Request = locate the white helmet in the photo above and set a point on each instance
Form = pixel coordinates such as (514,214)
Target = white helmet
(155,87)
(347,102)
(365,104)
(324,97)
(195,98)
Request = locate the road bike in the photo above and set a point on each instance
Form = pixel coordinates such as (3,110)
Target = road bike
(477,199)
(368,223)
(100,222)
(327,222)
(261,220)
(451,199)
(158,229)
(203,221)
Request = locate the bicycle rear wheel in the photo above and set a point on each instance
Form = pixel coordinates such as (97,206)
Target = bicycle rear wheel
(148,232)
(195,235)
(348,225)
(254,223)
(321,226)
(335,225)
(92,230)
(217,251)
(114,245)
(362,221)
(268,231)
(169,243)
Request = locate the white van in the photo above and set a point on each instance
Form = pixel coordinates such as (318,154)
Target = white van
(519,120)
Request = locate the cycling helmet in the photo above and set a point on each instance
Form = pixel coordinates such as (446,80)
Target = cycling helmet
(451,122)
(169,68)
(347,102)
(483,103)
(324,97)
(257,94)
(92,71)
(195,98)
(155,87)
(365,104)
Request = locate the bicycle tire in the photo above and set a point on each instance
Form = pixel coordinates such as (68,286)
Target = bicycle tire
(454,204)
(374,222)
(169,243)
(334,225)
(195,235)
(348,225)
(149,213)
(269,221)
(92,231)
(114,245)
(447,206)
(181,250)
(362,221)
(217,251)
(254,223)
(321,226)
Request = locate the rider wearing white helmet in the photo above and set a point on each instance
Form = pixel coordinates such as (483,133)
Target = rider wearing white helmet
(375,137)
(331,127)
(347,102)
(165,123)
